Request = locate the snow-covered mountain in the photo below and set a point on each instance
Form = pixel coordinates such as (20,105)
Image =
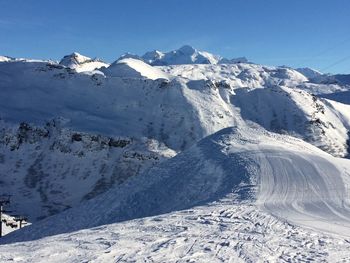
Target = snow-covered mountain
(331,82)
(184,55)
(90,144)
(5,58)
(174,106)
(82,63)
(310,73)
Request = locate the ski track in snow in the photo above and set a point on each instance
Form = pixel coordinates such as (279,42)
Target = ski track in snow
(222,232)
(295,210)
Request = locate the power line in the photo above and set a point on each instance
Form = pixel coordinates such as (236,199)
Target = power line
(336,63)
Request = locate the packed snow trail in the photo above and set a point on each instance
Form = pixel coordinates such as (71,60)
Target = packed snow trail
(285,176)
(307,190)
(221,232)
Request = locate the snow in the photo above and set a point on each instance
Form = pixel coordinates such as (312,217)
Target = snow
(82,63)
(340,96)
(184,55)
(194,160)
(241,193)
(233,60)
(5,59)
(43,165)
(200,100)
(310,73)
(134,68)
(225,233)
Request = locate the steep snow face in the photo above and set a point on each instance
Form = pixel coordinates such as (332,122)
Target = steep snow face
(152,56)
(81,63)
(42,166)
(309,72)
(274,98)
(134,68)
(282,175)
(286,110)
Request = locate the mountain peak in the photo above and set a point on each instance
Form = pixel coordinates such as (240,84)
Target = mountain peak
(5,58)
(187,49)
(81,63)
(186,55)
(74,59)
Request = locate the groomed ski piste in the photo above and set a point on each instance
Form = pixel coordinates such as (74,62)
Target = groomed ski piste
(242,193)
(240,188)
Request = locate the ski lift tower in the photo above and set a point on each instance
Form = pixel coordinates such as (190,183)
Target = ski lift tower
(4,200)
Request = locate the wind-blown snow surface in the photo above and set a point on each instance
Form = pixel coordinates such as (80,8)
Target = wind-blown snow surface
(241,188)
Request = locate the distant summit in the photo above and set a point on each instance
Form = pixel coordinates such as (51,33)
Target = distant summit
(81,63)
(133,68)
(5,58)
(184,55)
(310,73)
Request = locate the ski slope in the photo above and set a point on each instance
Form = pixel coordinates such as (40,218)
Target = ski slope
(280,174)
(240,194)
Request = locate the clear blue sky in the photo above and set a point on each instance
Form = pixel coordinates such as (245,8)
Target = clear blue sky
(313,33)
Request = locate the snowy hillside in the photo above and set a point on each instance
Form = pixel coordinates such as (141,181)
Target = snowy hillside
(240,187)
(133,68)
(42,166)
(197,101)
(340,96)
(309,72)
(279,174)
